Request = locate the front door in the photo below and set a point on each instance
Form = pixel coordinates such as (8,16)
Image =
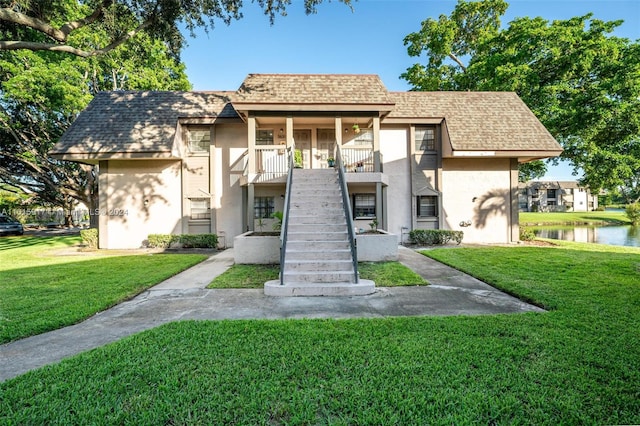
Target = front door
(326,145)
(302,139)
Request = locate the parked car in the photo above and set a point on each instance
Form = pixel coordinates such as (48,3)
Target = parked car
(9,226)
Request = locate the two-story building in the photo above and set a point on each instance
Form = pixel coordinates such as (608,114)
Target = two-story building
(556,196)
(216,162)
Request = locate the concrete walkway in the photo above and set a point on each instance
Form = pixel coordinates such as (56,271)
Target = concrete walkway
(184,297)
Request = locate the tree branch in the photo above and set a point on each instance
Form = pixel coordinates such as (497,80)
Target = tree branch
(11,15)
(458,61)
(17,45)
(89,19)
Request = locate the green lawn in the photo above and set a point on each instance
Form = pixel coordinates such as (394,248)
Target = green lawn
(44,287)
(577,364)
(385,274)
(573,218)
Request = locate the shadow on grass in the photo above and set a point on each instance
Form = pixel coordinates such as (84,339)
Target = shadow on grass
(8,243)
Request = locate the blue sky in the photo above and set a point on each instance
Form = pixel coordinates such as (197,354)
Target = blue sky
(368,40)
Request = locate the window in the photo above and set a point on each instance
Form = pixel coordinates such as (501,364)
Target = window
(263,207)
(199,141)
(364,205)
(427,206)
(264,137)
(200,208)
(425,139)
(551,193)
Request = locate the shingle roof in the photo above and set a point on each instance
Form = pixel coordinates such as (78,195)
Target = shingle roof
(313,89)
(138,121)
(485,121)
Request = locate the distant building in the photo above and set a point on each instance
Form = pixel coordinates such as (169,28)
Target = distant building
(555,196)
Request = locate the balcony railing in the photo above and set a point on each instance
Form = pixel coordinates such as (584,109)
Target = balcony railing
(271,162)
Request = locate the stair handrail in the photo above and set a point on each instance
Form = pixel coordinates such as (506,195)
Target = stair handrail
(285,214)
(346,205)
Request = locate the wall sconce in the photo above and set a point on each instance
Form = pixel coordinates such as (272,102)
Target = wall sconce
(281,133)
(146,202)
(346,130)
(465,223)
(474,199)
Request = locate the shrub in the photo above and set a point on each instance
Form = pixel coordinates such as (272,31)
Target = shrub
(187,240)
(633,213)
(90,237)
(435,236)
(161,240)
(526,234)
(199,240)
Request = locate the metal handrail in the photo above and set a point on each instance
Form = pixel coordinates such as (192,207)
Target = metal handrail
(347,210)
(285,214)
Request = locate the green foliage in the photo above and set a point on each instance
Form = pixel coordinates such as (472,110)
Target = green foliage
(430,237)
(574,365)
(199,240)
(633,213)
(42,291)
(90,238)
(187,240)
(526,234)
(297,158)
(531,170)
(579,80)
(278,216)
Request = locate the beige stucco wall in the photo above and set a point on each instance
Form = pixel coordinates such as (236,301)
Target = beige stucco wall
(488,182)
(126,186)
(230,144)
(393,146)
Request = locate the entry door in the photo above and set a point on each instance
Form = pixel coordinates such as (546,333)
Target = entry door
(326,145)
(303,143)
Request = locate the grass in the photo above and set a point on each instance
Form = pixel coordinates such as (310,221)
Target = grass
(577,364)
(385,274)
(573,218)
(42,289)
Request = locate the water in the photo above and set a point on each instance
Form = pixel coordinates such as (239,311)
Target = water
(626,235)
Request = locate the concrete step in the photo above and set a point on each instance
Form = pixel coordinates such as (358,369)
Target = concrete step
(316,204)
(319,266)
(316,236)
(318,277)
(301,245)
(295,226)
(325,217)
(362,288)
(332,254)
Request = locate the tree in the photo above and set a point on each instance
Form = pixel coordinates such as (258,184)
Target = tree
(57,24)
(582,82)
(41,94)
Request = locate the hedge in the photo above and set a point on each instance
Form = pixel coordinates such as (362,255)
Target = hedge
(187,240)
(428,237)
(90,237)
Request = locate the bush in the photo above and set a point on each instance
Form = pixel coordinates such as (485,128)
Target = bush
(199,240)
(161,240)
(90,238)
(430,237)
(187,240)
(526,234)
(633,213)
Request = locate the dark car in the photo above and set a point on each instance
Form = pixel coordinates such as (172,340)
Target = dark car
(9,226)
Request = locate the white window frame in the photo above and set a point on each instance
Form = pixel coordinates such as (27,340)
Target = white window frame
(424,145)
(262,137)
(202,212)
(364,197)
(199,141)
(419,205)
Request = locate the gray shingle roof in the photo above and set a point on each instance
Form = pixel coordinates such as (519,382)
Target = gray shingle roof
(138,121)
(146,122)
(313,89)
(486,121)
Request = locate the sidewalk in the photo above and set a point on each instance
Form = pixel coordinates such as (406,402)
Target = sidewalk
(184,297)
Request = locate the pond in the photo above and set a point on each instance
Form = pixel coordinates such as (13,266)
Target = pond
(623,235)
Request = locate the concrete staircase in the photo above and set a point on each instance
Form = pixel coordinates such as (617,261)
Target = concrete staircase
(318,260)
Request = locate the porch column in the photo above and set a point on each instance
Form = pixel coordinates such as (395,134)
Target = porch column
(250,206)
(338,131)
(289,131)
(514,221)
(251,137)
(377,164)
